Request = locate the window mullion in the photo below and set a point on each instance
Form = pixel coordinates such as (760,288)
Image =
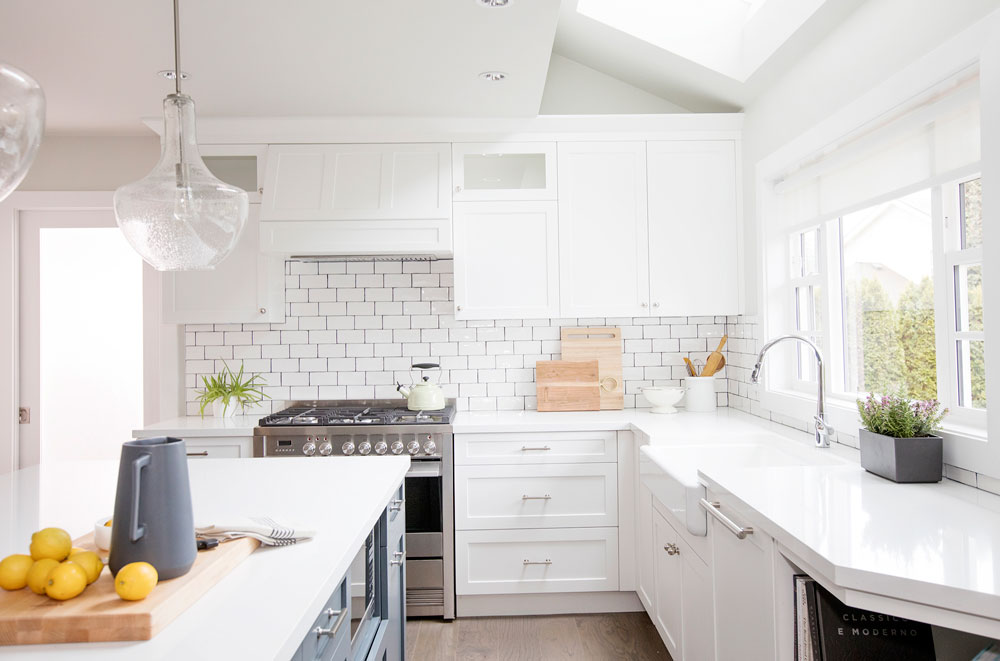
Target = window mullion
(944,220)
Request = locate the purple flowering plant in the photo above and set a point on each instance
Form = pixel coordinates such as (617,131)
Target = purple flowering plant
(899,417)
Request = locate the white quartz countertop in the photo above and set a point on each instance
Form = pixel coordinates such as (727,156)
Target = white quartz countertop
(194,426)
(266,605)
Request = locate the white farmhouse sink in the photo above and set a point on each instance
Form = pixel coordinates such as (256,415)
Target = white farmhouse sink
(670,472)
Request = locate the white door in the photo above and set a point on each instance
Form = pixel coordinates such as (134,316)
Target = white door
(669,587)
(247,287)
(506,260)
(81,327)
(603,260)
(693,227)
(645,576)
(697,622)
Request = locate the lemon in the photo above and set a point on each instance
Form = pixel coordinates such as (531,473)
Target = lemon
(66,581)
(38,575)
(75,550)
(90,562)
(51,543)
(14,571)
(135,581)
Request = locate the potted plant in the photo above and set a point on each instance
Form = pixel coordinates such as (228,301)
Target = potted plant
(898,440)
(229,391)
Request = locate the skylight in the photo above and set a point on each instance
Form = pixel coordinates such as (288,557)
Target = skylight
(732,37)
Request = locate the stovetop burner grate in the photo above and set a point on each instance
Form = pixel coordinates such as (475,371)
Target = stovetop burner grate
(323,415)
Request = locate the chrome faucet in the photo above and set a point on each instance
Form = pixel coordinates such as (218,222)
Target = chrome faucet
(824,432)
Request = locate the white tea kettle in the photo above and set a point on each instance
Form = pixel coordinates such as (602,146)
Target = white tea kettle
(423,395)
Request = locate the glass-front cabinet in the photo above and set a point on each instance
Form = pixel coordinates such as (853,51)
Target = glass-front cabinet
(239,165)
(504,171)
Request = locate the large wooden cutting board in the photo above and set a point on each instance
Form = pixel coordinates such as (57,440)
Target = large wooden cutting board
(99,614)
(605,346)
(563,385)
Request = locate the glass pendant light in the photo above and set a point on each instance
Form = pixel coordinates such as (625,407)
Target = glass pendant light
(179,217)
(22,122)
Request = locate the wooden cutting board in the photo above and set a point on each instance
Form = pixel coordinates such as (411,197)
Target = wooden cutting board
(605,346)
(567,386)
(99,614)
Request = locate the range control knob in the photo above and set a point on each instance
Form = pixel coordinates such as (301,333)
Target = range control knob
(397,447)
(309,448)
(364,447)
(325,448)
(413,447)
(430,447)
(381,447)
(347,448)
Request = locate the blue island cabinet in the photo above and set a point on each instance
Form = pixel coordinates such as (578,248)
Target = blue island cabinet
(372,626)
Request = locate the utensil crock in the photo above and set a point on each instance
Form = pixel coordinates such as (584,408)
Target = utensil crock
(153,516)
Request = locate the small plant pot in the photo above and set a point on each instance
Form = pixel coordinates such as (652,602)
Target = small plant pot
(902,459)
(220,410)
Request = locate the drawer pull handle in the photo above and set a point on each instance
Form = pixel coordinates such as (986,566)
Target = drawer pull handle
(546,561)
(397,558)
(528,448)
(203,453)
(332,631)
(672,549)
(396,504)
(527,497)
(741,532)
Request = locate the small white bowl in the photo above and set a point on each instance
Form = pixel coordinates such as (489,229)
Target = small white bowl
(102,534)
(663,399)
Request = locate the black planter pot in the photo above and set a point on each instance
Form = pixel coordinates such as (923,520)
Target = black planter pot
(902,459)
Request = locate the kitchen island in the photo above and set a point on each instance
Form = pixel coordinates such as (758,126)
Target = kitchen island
(266,606)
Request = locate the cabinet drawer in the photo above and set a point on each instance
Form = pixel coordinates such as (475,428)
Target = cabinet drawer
(536,448)
(545,496)
(532,561)
(214,451)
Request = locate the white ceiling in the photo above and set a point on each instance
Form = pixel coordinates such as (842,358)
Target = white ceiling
(97,61)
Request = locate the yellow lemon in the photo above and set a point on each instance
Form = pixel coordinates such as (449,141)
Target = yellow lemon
(66,581)
(51,543)
(135,581)
(14,571)
(38,575)
(75,550)
(90,562)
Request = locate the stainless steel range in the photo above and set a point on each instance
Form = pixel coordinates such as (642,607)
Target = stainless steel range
(373,428)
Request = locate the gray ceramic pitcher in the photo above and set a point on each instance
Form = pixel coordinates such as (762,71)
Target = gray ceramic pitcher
(153,518)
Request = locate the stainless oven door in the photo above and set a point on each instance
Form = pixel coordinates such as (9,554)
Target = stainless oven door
(425,538)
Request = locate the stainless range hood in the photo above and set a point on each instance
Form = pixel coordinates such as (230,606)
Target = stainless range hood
(365,258)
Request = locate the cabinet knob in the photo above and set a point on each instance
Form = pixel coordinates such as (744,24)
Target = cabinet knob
(459,308)
(261,190)
(645,305)
(397,558)
(672,549)
(656,305)
(458,189)
(262,310)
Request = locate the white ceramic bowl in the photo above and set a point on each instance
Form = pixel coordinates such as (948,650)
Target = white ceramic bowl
(102,534)
(663,399)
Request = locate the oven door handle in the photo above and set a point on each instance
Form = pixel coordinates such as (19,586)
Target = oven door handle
(424,469)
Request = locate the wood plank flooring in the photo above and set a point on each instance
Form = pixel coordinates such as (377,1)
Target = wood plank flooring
(605,636)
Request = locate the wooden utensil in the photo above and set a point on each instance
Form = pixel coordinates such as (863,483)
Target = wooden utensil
(690,366)
(565,385)
(99,614)
(605,346)
(715,359)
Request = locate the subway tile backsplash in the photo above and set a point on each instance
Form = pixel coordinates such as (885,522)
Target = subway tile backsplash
(353,329)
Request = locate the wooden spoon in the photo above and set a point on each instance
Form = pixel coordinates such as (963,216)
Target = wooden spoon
(716,360)
(690,366)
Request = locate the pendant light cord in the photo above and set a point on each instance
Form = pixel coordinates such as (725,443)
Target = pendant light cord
(177,47)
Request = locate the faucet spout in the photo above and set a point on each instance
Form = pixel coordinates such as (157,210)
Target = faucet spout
(824,432)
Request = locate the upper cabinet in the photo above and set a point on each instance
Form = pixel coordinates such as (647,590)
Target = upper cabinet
(504,171)
(694,256)
(239,165)
(357,199)
(603,258)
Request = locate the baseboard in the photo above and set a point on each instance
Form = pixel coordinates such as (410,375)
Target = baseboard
(560,603)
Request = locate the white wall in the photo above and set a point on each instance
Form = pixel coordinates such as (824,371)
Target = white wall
(90,163)
(876,41)
(574,89)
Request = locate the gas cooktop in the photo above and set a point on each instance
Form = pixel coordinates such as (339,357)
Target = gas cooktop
(355,413)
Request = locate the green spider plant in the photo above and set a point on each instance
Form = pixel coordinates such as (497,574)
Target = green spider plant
(232,389)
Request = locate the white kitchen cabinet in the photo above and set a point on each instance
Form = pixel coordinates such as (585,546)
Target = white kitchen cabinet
(357,182)
(504,171)
(603,256)
(536,496)
(645,576)
(550,447)
(219,447)
(668,597)
(694,231)
(247,287)
(506,260)
(743,588)
(697,630)
(239,165)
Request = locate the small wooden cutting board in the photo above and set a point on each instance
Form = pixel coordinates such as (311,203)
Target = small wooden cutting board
(605,346)
(99,614)
(565,385)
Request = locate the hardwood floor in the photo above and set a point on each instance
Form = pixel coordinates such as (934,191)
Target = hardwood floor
(625,636)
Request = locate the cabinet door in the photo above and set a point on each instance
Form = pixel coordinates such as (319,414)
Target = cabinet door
(669,585)
(697,623)
(603,260)
(504,171)
(247,287)
(743,591)
(506,260)
(694,231)
(239,165)
(358,182)
(645,576)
